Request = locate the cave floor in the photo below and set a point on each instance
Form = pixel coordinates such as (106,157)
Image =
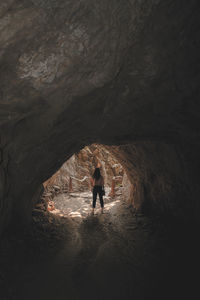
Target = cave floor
(78,205)
(116,255)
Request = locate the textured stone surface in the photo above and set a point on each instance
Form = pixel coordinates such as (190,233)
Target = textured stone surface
(161,181)
(80,168)
(77,72)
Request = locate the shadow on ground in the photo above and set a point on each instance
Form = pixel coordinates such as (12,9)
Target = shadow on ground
(117,255)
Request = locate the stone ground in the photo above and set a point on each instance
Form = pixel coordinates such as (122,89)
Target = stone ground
(78,205)
(117,255)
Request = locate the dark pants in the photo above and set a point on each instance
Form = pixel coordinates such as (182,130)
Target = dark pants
(97,190)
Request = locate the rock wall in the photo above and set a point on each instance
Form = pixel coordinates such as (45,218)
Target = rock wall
(112,72)
(161,181)
(80,167)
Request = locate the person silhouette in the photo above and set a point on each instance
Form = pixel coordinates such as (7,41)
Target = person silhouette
(97,188)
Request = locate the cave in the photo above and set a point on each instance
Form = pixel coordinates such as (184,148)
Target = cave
(69,192)
(123,74)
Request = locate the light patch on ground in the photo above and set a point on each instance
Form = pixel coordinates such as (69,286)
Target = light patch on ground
(79,205)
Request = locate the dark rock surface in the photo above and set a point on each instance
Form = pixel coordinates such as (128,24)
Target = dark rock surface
(117,255)
(113,72)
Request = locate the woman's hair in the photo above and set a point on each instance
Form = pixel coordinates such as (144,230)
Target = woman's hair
(97,174)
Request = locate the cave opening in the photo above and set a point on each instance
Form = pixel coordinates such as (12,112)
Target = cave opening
(118,73)
(68,192)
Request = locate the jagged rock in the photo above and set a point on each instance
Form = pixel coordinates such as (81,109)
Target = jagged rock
(80,167)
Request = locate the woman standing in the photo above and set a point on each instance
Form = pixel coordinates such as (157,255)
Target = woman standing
(98,186)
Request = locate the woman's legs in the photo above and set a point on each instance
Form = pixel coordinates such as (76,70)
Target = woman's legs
(94,197)
(97,190)
(101,198)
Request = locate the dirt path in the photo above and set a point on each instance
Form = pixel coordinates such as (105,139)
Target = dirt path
(117,255)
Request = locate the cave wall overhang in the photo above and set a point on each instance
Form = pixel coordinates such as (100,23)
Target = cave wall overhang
(73,73)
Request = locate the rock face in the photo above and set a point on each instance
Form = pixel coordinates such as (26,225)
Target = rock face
(78,170)
(120,73)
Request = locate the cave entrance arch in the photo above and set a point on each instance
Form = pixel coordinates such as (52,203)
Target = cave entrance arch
(157,177)
(68,191)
